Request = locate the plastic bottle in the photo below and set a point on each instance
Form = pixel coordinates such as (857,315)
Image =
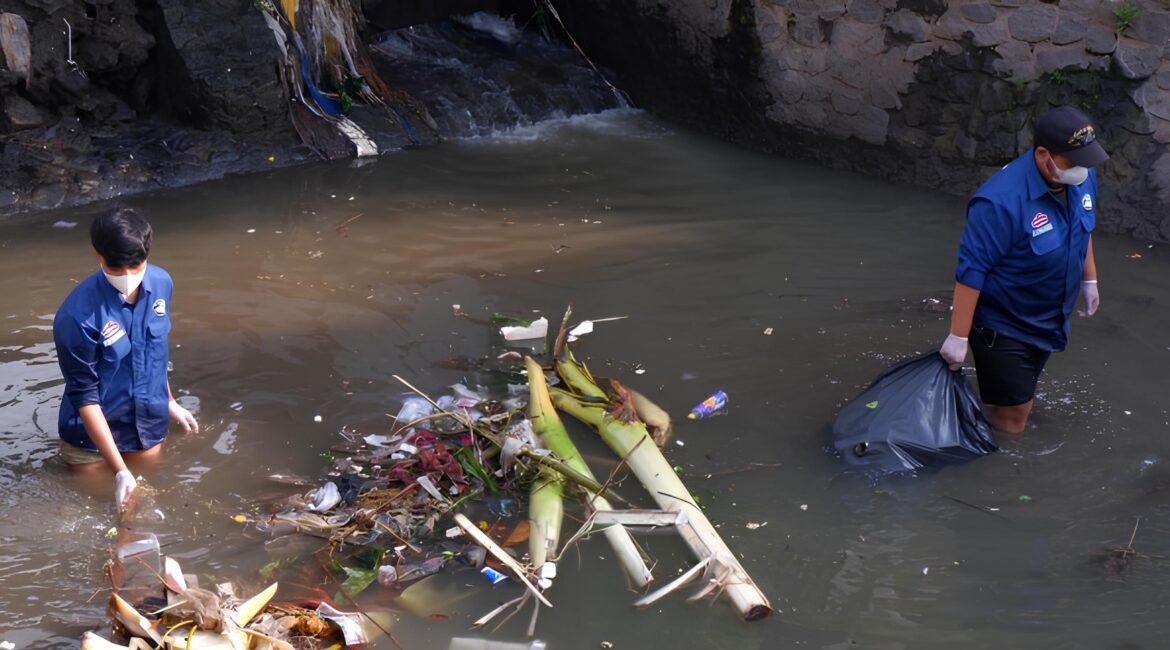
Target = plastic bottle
(141,554)
(141,564)
(708,406)
(389,575)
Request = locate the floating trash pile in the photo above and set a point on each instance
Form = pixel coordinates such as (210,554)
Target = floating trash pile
(449,482)
(170,610)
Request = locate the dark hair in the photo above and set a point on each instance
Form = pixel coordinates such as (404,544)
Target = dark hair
(121,236)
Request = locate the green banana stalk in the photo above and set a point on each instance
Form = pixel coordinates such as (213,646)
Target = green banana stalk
(549,428)
(629,439)
(546,511)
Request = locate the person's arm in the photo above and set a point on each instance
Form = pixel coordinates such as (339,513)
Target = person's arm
(963,309)
(99,432)
(1089,288)
(77,355)
(1090,273)
(985,240)
(179,414)
(954,348)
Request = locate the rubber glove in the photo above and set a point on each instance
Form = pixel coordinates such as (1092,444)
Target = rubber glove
(1092,298)
(954,351)
(183,417)
(124,485)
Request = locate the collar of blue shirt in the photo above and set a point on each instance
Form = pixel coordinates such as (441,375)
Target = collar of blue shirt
(1037,186)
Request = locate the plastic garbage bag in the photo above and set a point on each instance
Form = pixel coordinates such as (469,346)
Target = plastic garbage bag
(917,414)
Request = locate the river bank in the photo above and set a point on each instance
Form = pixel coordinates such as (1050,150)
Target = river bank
(125,97)
(104,102)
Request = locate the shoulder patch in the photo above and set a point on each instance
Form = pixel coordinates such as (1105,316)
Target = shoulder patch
(1087,202)
(160,307)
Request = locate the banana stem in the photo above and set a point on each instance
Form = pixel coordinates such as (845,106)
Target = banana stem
(632,443)
(551,430)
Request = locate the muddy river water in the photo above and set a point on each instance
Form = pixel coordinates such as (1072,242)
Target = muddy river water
(281,316)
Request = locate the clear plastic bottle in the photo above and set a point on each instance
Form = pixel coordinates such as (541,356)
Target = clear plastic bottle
(389,575)
(141,564)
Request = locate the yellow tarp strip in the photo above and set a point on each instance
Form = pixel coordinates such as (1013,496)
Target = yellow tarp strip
(290,11)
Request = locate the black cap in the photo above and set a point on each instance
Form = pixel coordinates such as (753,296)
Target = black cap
(1068,132)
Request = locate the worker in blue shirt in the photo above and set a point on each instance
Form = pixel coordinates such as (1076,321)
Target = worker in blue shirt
(111,337)
(1025,256)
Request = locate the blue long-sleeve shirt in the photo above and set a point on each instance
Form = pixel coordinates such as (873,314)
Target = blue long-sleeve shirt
(114,354)
(1024,248)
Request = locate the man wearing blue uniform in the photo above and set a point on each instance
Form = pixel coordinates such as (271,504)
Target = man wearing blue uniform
(111,337)
(1025,255)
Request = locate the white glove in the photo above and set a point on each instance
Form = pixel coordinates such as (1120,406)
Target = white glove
(1092,298)
(183,417)
(124,485)
(954,351)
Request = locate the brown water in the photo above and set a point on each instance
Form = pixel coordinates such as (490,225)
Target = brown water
(281,317)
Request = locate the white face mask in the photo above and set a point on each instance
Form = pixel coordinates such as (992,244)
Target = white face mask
(1072,175)
(126,284)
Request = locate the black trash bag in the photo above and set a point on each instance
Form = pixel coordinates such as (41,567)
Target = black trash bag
(917,414)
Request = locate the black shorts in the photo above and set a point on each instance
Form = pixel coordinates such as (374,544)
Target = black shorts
(1007,369)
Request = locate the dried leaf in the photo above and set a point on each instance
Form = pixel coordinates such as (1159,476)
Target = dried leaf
(313,625)
(621,404)
(519,534)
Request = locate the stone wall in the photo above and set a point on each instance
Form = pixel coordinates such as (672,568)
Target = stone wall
(938,93)
(104,98)
(123,96)
(138,94)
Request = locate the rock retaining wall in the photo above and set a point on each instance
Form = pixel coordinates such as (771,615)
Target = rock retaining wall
(119,96)
(103,98)
(123,96)
(938,93)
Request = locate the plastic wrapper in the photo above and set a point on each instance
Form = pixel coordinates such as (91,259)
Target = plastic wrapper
(709,406)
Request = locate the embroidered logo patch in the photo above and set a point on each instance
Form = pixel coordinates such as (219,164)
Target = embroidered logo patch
(159,307)
(1087,202)
(1040,224)
(112,332)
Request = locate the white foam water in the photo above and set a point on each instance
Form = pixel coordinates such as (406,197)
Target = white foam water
(501,28)
(628,122)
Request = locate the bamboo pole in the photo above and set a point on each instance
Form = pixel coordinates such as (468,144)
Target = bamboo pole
(500,554)
(631,442)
